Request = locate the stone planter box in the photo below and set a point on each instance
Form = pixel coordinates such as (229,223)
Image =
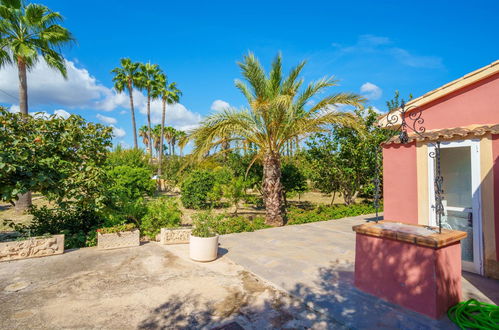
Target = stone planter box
(409,265)
(118,240)
(175,236)
(32,247)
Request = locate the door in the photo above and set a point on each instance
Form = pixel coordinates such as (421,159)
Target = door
(460,170)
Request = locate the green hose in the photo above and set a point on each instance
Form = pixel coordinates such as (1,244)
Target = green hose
(473,314)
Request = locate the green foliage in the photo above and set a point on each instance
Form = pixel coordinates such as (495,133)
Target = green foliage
(228,225)
(130,183)
(61,158)
(117,229)
(345,159)
(195,189)
(125,211)
(161,213)
(234,192)
(293,180)
(73,220)
(128,157)
(324,213)
(203,224)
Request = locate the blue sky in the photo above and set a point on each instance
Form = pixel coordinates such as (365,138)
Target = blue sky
(372,47)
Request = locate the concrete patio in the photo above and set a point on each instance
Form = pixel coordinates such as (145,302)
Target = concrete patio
(315,262)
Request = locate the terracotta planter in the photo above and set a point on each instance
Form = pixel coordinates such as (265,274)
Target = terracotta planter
(118,240)
(32,247)
(203,248)
(175,236)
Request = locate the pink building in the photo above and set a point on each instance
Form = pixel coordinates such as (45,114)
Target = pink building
(464,116)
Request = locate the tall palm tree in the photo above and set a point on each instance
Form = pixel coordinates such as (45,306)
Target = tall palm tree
(126,76)
(28,32)
(148,76)
(144,134)
(277,113)
(169,94)
(169,134)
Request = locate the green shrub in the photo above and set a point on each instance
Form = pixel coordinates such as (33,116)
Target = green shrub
(128,157)
(195,189)
(325,212)
(204,222)
(117,229)
(293,180)
(131,183)
(125,211)
(161,213)
(228,225)
(72,220)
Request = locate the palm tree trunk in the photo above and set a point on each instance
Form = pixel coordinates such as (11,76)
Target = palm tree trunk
(132,110)
(272,190)
(24,200)
(149,131)
(160,157)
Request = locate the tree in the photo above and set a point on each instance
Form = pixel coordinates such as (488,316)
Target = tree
(278,112)
(234,191)
(149,75)
(395,102)
(126,76)
(29,32)
(181,137)
(61,158)
(144,134)
(344,159)
(169,134)
(169,94)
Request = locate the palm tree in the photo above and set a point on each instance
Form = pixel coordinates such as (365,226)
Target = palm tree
(147,80)
(277,113)
(126,76)
(169,94)
(169,134)
(157,140)
(28,32)
(144,134)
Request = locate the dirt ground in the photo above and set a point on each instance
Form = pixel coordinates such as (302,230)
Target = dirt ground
(146,287)
(7,211)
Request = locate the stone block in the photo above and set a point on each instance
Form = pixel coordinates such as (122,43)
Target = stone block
(118,240)
(32,247)
(175,236)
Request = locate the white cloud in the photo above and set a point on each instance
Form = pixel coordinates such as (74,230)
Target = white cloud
(219,105)
(106,119)
(62,113)
(122,112)
(177,115)
(118,132)
(47,87)
(371,91)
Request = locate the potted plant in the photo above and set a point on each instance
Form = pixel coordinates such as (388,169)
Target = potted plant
(203,242)
(126,235)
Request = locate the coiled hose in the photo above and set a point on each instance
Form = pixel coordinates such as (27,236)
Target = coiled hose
(473,314)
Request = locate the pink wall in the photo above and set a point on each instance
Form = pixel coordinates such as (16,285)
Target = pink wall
(400,191)
(495,170)
(475,104)
(420,278)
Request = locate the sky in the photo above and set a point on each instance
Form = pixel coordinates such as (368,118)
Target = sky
(371,47)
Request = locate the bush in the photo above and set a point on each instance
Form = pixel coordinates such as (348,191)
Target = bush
(161,213)
(229,225)
(293,180)
(128,157)
(323,213)
(203,224)
(125,211)
(73,220)
(117,229)
(131,183)
(195,189)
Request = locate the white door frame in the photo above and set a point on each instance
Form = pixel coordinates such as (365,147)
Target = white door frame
(477,265)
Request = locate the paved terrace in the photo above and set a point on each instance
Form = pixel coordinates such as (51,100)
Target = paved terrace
(315,262)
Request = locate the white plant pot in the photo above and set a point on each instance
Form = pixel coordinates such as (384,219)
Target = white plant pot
(203,248)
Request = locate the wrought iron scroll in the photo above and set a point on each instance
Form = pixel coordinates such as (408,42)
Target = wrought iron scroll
(409,123)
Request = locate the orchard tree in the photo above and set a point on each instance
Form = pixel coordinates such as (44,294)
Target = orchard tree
(61,158)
